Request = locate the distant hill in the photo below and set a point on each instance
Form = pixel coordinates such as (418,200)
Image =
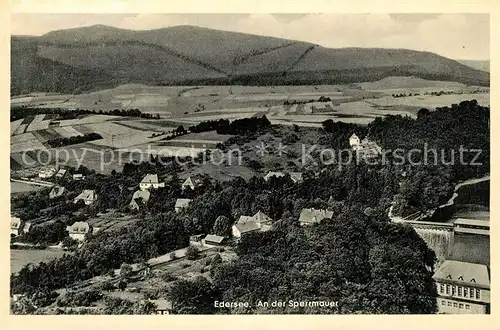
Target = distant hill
(94,57)
(478,65)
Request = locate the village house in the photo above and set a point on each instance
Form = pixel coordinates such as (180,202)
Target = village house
(354,141)
(463,288)
(248,224)
(163,306)
(61,173)
(78,231)
(271,174)
(294,176)
(151,181)
(192,182)
(214,240)
(310,216)
(365,148)
(57,191)
(88,196)
(47,172)
(78,177)
(16,226)
(27,227)
(181,203)
(139,198)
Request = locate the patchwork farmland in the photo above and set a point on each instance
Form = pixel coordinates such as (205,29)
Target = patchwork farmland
(283,105)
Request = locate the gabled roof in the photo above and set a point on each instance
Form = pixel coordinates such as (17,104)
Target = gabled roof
(89,195)
(248,226)
(275,174)
(465,272)
(182,202)
(192,181)
(57,191)
(314,215)
(296,176)
(61,172)
(79,227)
(260,217)
(150,178)
(354,136)
(214,238)
(245,218)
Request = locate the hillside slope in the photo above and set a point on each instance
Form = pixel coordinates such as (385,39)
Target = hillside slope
(99,56)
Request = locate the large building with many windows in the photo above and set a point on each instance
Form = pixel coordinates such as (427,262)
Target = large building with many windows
(463,288)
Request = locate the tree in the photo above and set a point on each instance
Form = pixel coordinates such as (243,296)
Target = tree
(125,270)
(192,253)
(122,285)
(193,296)
(422,113)
(222,226)
(69,243)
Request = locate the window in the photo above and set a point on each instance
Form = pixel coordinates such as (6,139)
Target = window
(449,304)
(453,290)
(461,306)
(447,289)
(478,294)
(466,292)
(441,288)
(443,303)
(459,291)
(455,304)
(467,306)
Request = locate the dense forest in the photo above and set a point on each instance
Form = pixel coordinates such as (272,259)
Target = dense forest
(62,141)
(236,127)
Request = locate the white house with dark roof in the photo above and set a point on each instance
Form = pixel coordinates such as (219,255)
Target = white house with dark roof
(181,203)
(139,198)
(78,230)
(56,191)
(150,181)
(88,196)
(463,288)
(47,172)
(310,216)
(247,224)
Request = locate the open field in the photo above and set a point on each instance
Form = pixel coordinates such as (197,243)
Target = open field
(19,188)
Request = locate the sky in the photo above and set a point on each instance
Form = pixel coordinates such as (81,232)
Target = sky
(457,36)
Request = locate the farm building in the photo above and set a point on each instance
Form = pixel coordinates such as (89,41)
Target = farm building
(296,176)
(140,198)
(248,224)
(151,181)
(47,172)
(214,240)
(56,192)
(369,148)
(181,203)
(192,183)
(16,226)
(88,196)
(310,216)
(78,230)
